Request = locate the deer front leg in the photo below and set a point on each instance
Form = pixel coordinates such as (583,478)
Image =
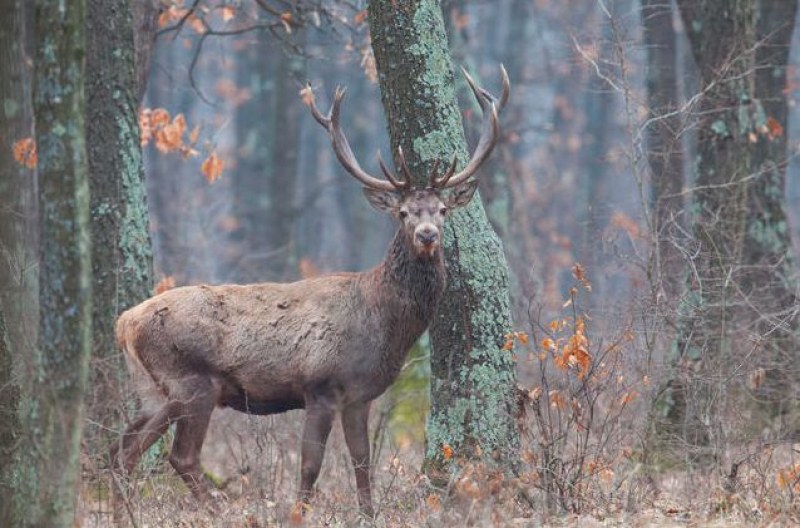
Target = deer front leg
(319,418)
(355,420)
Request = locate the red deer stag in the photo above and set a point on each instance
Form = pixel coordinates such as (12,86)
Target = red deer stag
(326,344)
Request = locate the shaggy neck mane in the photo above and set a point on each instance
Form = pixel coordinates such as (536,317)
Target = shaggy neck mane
(422,279)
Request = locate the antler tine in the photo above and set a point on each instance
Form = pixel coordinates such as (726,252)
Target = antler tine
(491,130)
(434,177)
(451,169)
(389,175)
(341,147)
(404,168)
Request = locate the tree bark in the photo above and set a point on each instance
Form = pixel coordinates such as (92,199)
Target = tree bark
(9,426)
(145,29)
(473,380)
(65,267)
(771,280)
(18,270)
(722,35)
(664,150)
(122,260)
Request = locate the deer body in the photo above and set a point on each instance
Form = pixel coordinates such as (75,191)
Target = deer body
(267,346)
(329,345)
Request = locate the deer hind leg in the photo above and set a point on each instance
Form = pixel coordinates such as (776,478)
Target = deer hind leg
(138,437)
(190,431)
(356,433)
(141,434)
(319,419)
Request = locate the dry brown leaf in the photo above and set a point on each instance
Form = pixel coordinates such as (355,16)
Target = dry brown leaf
(25,152)
(212,167)
(227,13)
(167,283)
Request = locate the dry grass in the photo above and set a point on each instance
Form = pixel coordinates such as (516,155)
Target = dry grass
(256,460)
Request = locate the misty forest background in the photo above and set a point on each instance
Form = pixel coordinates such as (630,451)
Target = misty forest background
(643,356)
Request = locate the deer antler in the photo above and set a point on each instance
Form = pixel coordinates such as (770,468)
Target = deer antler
(491,129)
(345,154)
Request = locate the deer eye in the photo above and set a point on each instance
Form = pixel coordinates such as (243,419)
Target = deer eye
(443,211)
(403,214)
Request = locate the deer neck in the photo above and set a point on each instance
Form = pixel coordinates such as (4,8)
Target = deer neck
(420,280)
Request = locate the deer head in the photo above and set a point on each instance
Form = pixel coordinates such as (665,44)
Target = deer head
(420,210)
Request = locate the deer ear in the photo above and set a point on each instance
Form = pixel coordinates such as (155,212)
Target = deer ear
(461,194)
(386,201)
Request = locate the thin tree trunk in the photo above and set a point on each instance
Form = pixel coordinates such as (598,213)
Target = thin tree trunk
(664,152)
(145,26)
(122,259)
(771,284)
(65,267)
(722,35)
(264,186)
(473,380)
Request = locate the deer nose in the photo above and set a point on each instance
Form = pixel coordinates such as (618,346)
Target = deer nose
(427,235)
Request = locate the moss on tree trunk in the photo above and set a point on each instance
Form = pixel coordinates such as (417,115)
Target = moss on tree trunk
(18,270)
(472,380)
(729,314)
(122,258)
(65,270)
(768,254)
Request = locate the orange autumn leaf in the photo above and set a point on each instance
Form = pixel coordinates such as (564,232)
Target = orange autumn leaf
(433,502)
(298,512)
(509,344)
(628,397)
(774,128)
(307,95)
(170,136)
(194,134)
(197,24)
(548,344)
(308,270)
(625,223)
(25,152)
(447,452)
(286,20)
(159,117)
(788,477)
(167,283)
(557,400)
(173,14)
(212,167)
(360,17)
(145,126)
(228,12)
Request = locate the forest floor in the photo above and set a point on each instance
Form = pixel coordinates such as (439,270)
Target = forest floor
(255,463)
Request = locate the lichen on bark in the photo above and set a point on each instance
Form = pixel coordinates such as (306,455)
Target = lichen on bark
(473,379)
(65,269)
(121,249)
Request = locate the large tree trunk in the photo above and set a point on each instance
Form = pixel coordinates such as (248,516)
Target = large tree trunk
(771,282)
(664,151)
(122,260)
(722,34)
(18,270)
(473,380)
(65,268)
